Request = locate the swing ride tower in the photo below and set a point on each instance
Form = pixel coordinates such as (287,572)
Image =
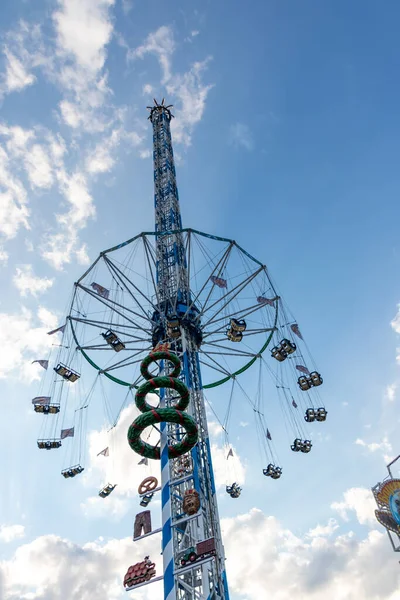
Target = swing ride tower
(205,305)
(176,321)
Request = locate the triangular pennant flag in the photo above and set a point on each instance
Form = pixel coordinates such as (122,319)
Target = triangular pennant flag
(294,403)
(57,330)
(67,433)
(144,461)
(269,435)
(296,330)
(42,363)
(102,291)
(230,453)
(263,300)
(105,452)
(302,369)
(43,400)
(219,281)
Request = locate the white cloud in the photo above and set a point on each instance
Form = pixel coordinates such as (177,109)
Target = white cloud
(192,94)
(145,153)
(59,248)
(323,530)
(261,555)
(395,323)
(120,467)
(38,167)
(84,29)
(384,445)
(3,256)
(360,501)
(24,339)
(390,393)
(161,44)
(127,6)
(101,159)
(8,533)
(82,255)
(194,33)
(13,210)
(47,569)
(16,77)
(147,89)
(27,283)
(241,136)
(227,470)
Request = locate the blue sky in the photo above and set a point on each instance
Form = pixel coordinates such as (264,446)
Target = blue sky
(286,139)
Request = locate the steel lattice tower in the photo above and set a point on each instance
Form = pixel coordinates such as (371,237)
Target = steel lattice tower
(205,579)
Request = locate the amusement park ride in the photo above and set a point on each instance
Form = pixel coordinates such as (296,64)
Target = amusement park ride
(171,315)
(387,497)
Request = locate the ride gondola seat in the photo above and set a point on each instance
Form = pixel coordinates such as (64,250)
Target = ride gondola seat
(304,383)
(66,373)
(316,378)
(277,353)
(238,325)
(287,346)
(310,415)
(234,336)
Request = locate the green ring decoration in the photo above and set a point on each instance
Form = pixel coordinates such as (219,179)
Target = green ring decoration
(172,414)
(160,355)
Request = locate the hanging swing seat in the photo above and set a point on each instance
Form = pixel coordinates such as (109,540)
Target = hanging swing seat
(238,325)
(233,490)
(321,414)
(234,336)
(173,329)
(47,409)
(72,471)
(48,444)
(113,340)
(316,378)
(145,501)
(272,471)
(301,446)
(106,490)
(304,383)
(66,373)
(283,349)
(310,415)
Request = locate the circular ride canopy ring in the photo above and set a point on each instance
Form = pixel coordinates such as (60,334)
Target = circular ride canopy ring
(116,300)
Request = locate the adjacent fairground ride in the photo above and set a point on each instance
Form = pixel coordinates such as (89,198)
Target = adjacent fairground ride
(178,313)
(387,496)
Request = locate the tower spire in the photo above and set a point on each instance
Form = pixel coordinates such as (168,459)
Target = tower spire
(171,264)
(177,322)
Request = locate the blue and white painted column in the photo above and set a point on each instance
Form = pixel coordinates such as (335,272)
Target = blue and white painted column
(167,543)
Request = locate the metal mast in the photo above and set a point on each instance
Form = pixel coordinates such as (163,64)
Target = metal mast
(176,321)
